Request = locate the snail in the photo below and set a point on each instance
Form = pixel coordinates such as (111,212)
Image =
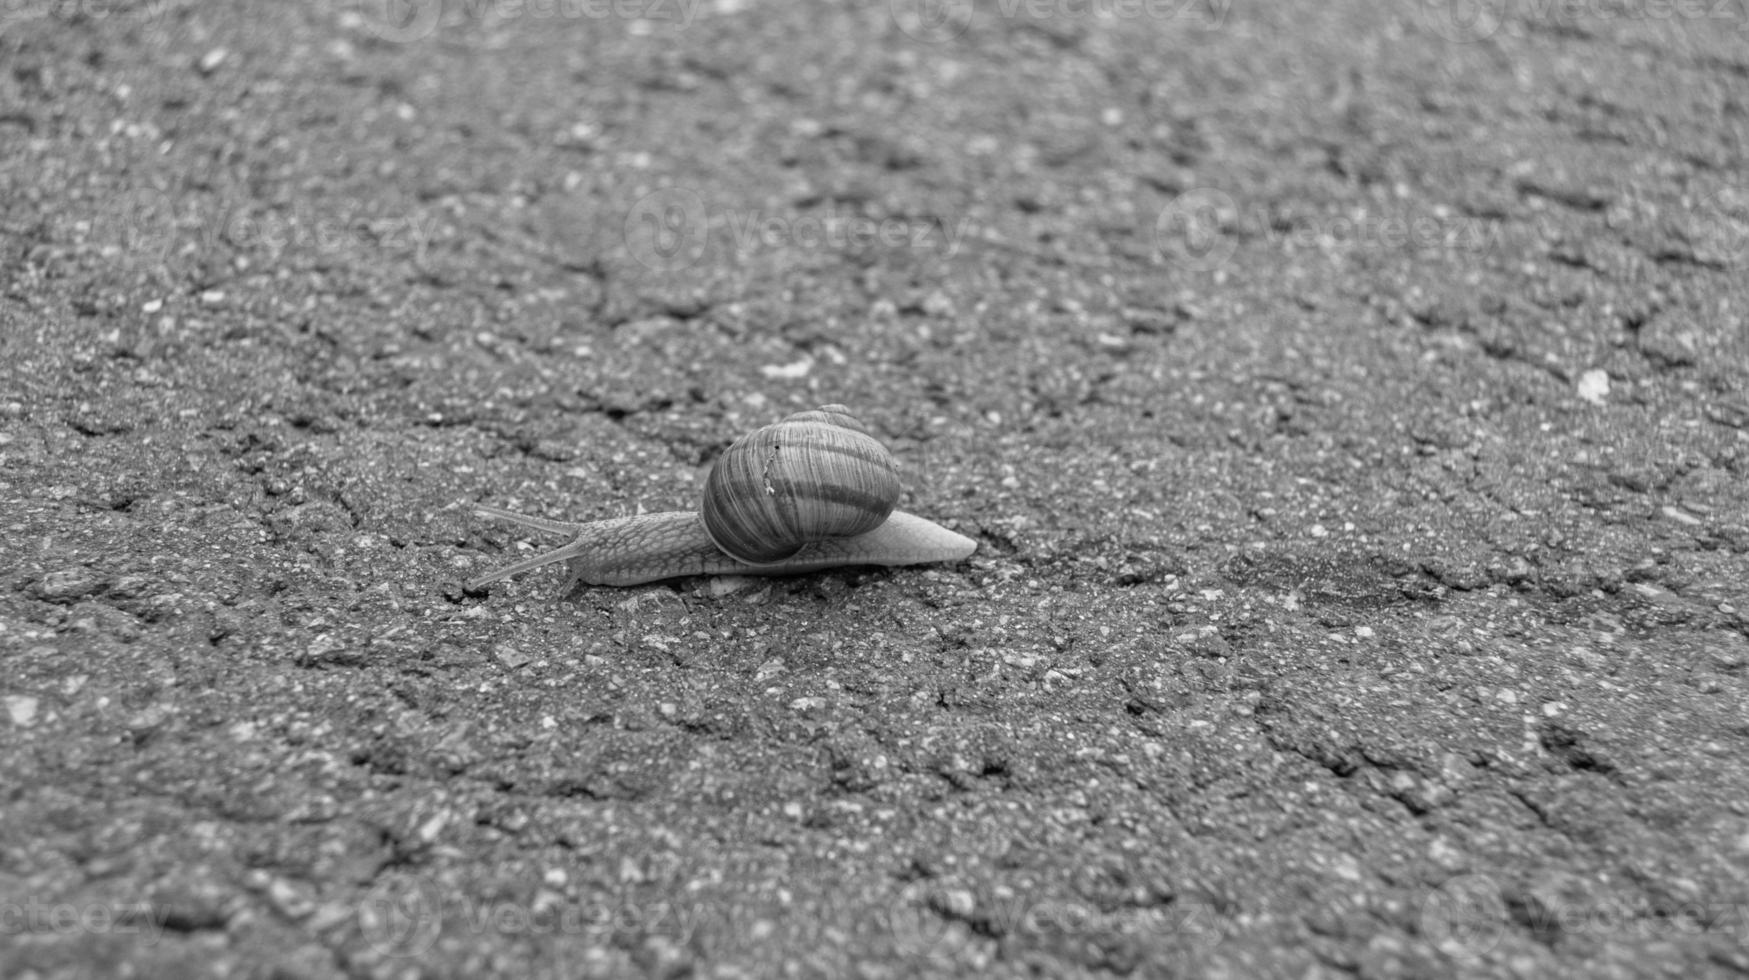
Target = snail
(812,491)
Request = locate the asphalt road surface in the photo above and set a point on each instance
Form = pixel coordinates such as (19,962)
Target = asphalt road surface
(1350,402)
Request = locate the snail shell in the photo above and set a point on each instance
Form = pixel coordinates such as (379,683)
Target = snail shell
(810,477)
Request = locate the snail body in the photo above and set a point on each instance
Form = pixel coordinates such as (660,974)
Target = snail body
(810,492)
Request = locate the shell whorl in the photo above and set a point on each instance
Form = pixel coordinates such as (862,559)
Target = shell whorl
(810,477)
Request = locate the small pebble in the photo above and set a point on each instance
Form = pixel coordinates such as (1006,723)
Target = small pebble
(21,710)
(937,304)
(67,585)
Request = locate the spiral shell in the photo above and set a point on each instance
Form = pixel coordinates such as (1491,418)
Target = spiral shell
(809,477)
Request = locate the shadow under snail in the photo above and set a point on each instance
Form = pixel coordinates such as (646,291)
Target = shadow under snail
(810,492)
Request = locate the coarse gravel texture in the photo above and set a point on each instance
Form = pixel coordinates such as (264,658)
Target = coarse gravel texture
(1350,401)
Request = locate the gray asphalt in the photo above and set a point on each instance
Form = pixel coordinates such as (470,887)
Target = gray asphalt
(1350,402)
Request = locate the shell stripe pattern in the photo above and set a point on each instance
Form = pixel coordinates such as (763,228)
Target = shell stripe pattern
(809,477)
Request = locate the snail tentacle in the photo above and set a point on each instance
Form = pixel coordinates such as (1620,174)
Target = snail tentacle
(537,523)
(541,560)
